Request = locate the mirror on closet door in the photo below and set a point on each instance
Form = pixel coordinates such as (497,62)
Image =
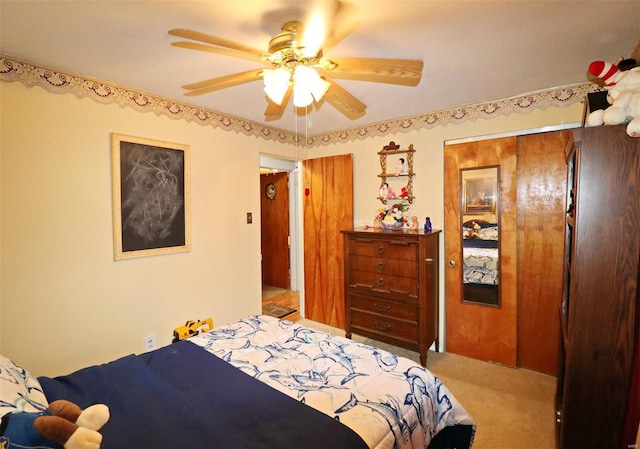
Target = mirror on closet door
(479,214)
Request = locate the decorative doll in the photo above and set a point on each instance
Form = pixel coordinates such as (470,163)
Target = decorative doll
(384,191)
(414,223)
(402,167)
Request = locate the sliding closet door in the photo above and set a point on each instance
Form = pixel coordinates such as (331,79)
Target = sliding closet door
(524,329)
(542,192)
(473,329)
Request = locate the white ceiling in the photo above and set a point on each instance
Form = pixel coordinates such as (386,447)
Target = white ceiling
(473,51)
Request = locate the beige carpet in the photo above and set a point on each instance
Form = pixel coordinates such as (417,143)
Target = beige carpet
(513,408)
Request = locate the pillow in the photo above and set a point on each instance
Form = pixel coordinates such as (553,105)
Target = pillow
(488,233)
(19,390)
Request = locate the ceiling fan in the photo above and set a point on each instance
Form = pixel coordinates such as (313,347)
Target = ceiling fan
(296,66)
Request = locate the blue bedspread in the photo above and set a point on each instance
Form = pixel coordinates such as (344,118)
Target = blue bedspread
(180,396)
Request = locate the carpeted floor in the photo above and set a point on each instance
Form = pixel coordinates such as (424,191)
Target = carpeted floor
(512,407)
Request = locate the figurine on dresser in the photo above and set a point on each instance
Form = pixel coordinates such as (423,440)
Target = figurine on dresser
(427,225)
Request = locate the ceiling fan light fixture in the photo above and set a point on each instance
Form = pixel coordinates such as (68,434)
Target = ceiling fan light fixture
(301,96)
(307,79)
(276,83)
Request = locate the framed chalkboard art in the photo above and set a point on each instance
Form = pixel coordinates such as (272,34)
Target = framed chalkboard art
(151,197)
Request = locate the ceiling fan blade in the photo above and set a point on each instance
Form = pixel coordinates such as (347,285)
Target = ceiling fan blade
(405,72)
(219,50)
(342,23)
(343,101)
(213,40)
(274,111)
(222,82)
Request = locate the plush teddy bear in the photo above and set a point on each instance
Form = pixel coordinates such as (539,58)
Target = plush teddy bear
(623,95)
(63,424)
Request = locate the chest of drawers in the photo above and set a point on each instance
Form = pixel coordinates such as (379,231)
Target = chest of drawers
(391,287)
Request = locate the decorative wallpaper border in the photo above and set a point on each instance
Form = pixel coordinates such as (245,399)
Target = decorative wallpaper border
(59,82)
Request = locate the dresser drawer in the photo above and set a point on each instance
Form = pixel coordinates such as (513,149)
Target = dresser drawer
(388,249)
(366,281)
(394,267)
(388,327)
(388,309)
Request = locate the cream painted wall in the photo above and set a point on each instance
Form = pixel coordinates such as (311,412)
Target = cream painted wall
(65,303)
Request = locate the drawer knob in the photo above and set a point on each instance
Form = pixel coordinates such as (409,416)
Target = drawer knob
(380,249)
(380,265)
(382,328)
(381,309)
(380,282)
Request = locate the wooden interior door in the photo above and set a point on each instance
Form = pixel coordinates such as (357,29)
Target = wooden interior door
(328,209)
(274,230)
(479,331)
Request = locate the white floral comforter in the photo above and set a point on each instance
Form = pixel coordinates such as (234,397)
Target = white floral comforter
(390,401)
(480,266)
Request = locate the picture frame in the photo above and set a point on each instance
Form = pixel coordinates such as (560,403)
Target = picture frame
(151,197)
(480,192)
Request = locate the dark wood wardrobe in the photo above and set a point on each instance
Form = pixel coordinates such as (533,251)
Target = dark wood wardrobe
(597,397)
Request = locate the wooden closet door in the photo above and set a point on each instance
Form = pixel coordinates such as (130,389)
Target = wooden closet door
(328,209)
(542,192)
(479,331)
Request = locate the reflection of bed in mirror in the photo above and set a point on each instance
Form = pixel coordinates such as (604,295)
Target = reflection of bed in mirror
(480,262)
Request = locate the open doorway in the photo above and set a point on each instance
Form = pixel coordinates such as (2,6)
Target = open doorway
(280,241)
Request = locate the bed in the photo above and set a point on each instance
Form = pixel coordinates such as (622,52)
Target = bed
(259,382)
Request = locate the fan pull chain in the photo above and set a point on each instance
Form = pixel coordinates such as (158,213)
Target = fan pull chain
(295,119)
(306,132)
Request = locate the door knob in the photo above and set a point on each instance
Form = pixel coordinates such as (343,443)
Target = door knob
(452,263)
